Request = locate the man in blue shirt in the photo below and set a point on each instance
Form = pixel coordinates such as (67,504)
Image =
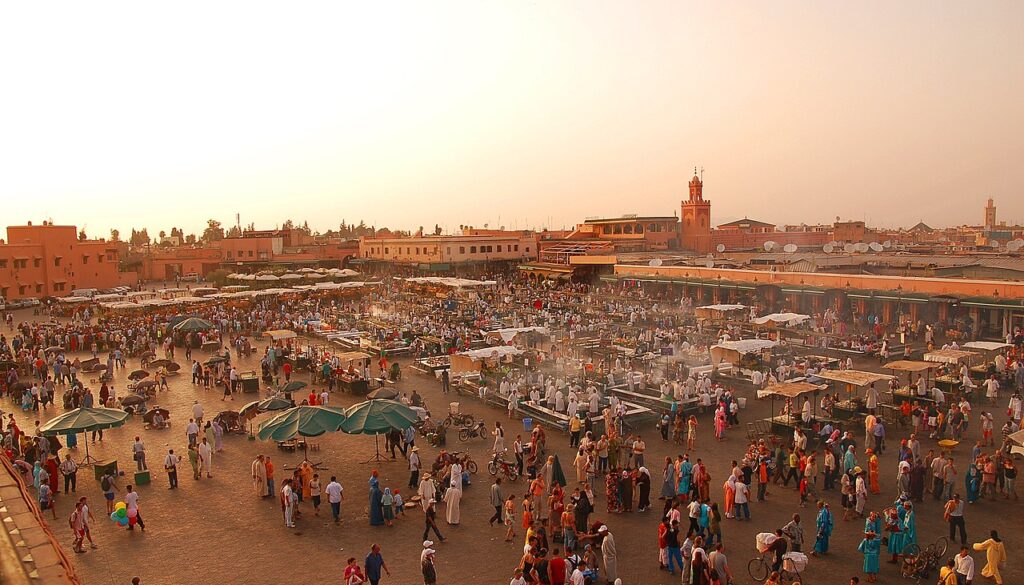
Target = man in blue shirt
(374,563)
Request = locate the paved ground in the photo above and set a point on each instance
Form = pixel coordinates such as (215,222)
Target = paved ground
(218,531)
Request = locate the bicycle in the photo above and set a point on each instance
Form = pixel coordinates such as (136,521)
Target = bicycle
(478,430)
(917,563)
(760,567)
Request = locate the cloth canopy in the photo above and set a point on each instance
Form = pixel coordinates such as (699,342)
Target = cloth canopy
(910,366)
(854,377)
(746,345)
(374,417)
(83,420)
(948,356)
(987,345)
(279,334)
(304,421)
(790,389)
(781,319)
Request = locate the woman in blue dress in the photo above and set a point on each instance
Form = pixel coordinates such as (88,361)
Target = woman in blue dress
(376,514)
(823,529)
(668,487)
(894,523)
(870,547)
(909,525)
(685,474)
(973,481)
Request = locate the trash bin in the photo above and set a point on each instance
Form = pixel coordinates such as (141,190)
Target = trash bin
(742,401)
(453,407)
(528,424)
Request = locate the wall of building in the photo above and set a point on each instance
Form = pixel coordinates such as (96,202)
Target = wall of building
(48,260)
(449,249)
(738,240)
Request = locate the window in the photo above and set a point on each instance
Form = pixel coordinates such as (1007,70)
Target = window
(85,260)
(20,263)
(250,253)
(37,262)
(417,250)
(607,229)
(99,257)
(653,228)
(627,229)
(517,248)
(229,254)
(3,263)
(59,287)
(449,250)
(56,260)
(3,292)
(639,228)
(39,288)
(617,230)
(110,257)
(472,249)
(462,249)
(527,249)
(22,289)
(387,250)
(499,248)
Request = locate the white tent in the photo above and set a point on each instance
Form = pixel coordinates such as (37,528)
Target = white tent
(290,276)
(267,278)
(314,275)
(782,319)
(987,345)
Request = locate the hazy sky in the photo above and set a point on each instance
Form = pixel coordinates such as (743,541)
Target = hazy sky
(514,113)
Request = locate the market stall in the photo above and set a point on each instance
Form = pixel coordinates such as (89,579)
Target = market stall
(472,362)
(789,419)
(743,356)
(854,405)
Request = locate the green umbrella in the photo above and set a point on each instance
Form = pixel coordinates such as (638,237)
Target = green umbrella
(83,420)
(383,393)
(305,421)
(374,417)
(193,324)
(266,405)
(293,386)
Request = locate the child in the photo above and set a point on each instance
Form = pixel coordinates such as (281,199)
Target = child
(314,493)
(517,578)
(399,504)
(986,428)
(354,573)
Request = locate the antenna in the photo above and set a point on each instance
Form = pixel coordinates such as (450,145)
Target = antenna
(702,174)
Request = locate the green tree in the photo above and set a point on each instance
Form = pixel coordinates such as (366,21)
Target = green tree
(213,232)
(115,236)
(218,277)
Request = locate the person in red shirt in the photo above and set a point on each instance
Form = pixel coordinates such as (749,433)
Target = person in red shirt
(556,568)
(312,398)
(287,371)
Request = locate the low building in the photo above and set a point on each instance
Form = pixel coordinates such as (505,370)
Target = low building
(50,260)
(447,253)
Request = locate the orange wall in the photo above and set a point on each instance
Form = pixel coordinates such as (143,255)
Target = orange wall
(55,262)
(932,286)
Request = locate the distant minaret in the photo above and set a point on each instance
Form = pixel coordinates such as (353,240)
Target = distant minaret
(695,222)
(990,215)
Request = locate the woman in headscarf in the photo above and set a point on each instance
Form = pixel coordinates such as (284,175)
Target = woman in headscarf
(870,546)
(387,503)
(730,494)
(39,475)
(918,473)
(685,475)
(973,483)
(218,435)
(376,516)
(668,484)
(53,472)
(849,459)
(643,484)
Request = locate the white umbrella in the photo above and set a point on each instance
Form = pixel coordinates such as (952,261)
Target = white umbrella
(347,272)
(314,275)
(249,277)
(290,276)
(307,269)
(267,278)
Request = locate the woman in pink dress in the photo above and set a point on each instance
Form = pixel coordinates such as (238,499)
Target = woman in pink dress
(720,422)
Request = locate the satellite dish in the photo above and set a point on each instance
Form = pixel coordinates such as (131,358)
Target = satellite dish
(720,248)
(710,264)
(655,262)
(789,248)
(943,239)
(848,248)
(710,255)
(887,244)
(876,247)
(768,246)
(1013,245)
(994,243)
(861,247)
(828,248)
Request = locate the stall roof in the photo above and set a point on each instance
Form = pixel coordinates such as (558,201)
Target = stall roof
(491,352)
(987,345)
(948,356)
(1017,437)
(509,333)
(910,366)
(792,389)
(351,356)
(747,345)
(855,377)
(782,318)
(279,334)
(723,307)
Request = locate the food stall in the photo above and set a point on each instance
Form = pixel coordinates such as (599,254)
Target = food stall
(743,356)
(784,423)
(988,349)
(719,312)
(911,367)
(954,358)
(471,363)
(853,406)
(349,372)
